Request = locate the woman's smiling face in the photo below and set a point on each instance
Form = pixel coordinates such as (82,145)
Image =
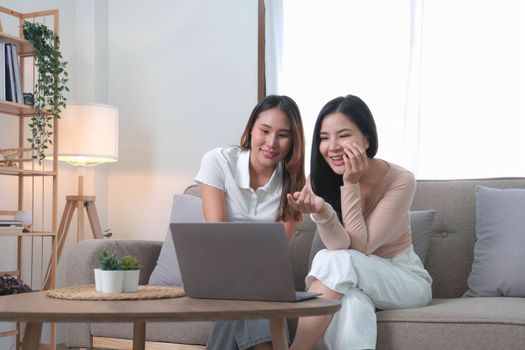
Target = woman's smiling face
(271,138)
(337,131)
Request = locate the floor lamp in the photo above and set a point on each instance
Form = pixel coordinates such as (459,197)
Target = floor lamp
(87,136)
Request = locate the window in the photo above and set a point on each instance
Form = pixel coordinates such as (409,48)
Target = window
(444,79)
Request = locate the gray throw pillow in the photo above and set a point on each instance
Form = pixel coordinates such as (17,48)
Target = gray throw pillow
(185,208)
(497,269)
(421,223)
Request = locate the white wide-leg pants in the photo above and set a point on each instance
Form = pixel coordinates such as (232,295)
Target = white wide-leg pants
(368,283)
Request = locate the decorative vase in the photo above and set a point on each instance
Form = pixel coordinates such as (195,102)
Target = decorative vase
(131,281)
(25,217)
(112,281)
(98,279)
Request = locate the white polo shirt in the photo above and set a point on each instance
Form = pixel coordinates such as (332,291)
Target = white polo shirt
(227,169)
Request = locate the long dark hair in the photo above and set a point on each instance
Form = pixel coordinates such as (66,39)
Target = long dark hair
(293,172)
(326,183)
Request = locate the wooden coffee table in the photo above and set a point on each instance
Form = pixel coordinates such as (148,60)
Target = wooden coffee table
(35,308)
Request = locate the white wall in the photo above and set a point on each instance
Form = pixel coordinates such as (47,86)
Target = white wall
(183,74)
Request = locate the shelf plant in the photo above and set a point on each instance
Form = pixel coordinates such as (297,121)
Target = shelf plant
(50,85)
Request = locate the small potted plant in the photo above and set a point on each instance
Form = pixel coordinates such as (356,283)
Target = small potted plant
(112,273)
(98,271)
(131,268)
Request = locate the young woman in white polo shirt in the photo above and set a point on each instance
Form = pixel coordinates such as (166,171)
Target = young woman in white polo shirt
(250,183)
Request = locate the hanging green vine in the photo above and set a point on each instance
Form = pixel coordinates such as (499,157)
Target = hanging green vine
(49,87)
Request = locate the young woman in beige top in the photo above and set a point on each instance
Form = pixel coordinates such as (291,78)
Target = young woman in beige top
(361,207)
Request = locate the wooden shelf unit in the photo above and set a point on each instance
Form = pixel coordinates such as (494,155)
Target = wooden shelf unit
(25,169)
(18,233)
(17,109)
(25,48)
(26,172)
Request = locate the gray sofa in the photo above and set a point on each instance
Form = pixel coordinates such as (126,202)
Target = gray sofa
(450,322)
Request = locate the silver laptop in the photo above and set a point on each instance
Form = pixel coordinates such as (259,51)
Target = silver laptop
(243,261)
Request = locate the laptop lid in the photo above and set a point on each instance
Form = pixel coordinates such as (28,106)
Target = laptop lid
(244,261)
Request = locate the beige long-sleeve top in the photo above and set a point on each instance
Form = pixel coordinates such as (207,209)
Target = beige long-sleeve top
(384,229)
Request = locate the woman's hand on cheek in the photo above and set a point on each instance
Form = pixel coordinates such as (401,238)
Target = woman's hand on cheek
(356,163)
(306,201)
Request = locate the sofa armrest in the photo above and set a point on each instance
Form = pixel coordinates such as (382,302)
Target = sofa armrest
(83,258)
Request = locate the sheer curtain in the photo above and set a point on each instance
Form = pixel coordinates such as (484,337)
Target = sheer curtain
(444,79)
(472,92)
(274,45)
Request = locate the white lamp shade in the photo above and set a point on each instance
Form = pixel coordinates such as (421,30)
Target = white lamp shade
(88,134)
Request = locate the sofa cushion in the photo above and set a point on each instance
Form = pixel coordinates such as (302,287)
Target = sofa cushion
(456,323)
(185,208)
(299,248)
(421,223)
(497,269)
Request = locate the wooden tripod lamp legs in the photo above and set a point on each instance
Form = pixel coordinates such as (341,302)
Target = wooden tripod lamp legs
(72,202)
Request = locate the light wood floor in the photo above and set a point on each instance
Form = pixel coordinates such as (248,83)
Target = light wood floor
(121,344)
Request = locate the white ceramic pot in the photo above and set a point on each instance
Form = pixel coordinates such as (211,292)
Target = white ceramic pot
(98,280)
(112,281)
(131,281)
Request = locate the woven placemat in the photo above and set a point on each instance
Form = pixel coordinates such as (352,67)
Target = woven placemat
(89,293)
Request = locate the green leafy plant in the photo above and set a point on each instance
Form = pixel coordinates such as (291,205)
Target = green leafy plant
(129,262)
(109,261)
(51,83)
